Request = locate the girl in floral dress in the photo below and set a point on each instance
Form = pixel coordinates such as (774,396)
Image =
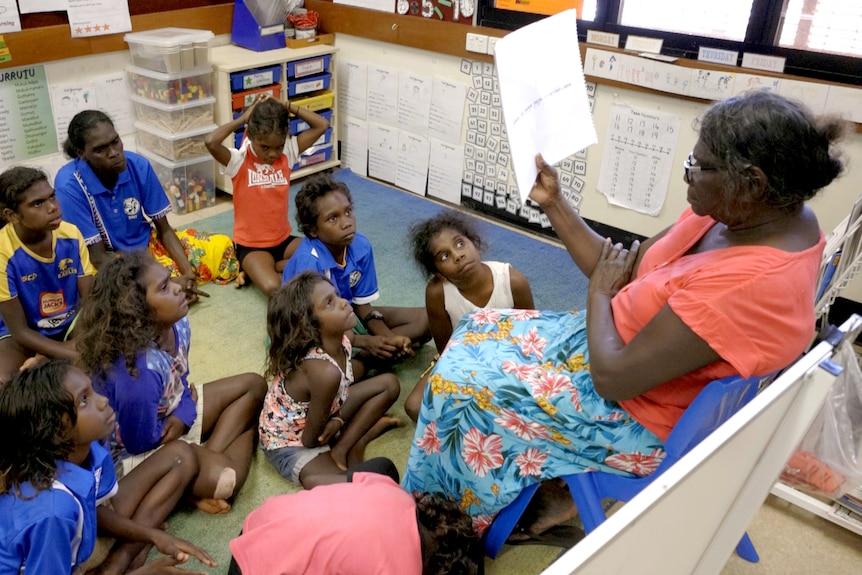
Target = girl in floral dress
(318,415)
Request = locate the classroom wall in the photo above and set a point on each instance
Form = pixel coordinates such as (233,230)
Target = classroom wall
(831,205)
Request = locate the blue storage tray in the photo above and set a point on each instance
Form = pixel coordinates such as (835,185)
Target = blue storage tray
(298,124)
(255,78)
(309,66)
(308,84)
(313,156)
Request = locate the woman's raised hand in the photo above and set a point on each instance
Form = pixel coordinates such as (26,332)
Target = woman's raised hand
(547,186)
(614,268)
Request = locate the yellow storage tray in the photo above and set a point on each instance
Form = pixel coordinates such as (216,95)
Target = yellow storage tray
(315,101)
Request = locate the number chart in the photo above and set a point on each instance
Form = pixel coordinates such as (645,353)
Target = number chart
(636,163)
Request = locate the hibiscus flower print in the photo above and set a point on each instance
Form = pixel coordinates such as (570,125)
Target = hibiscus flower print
(521,371)
(482,453)
(485,316)
(481,523)
(522,314)
(429,442)
(637,463)
(533,344)
(530,462)
(527,430)
(550,384)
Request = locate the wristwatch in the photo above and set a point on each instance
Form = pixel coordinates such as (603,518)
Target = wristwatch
(373,314)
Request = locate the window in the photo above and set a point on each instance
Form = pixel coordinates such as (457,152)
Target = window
(818,38)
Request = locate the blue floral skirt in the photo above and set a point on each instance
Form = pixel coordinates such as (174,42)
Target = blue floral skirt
(509,403)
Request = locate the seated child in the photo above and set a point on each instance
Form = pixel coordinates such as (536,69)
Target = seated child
(369,526)
(134,340)
(333,247)
(45,272)
(56,473)
(260,174)
(319,414)
(448,250)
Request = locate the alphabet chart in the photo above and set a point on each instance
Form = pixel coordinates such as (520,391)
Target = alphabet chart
(636,165)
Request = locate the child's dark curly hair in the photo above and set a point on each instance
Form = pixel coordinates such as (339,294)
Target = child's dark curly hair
(14,182)
(116,321)
(37,416)
(267,117)
(454,547)
(291,325)
(422,233)
(306,200)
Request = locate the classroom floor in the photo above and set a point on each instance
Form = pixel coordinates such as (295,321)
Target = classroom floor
(789,539)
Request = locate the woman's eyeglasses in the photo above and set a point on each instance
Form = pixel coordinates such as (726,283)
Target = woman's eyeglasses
(690,168)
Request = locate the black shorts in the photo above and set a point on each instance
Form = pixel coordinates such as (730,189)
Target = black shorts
(277,252)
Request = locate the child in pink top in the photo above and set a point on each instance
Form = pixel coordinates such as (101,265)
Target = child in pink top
(260,173)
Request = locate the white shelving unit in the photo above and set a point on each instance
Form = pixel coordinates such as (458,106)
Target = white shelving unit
(229,59)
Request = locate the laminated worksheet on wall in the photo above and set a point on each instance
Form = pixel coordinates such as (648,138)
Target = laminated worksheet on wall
(638,159)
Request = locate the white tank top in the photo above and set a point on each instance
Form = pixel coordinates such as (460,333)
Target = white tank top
(501,297)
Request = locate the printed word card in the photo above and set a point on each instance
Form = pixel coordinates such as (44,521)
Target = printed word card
(637,162)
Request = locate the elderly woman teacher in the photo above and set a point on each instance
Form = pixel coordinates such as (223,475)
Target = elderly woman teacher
(522,396)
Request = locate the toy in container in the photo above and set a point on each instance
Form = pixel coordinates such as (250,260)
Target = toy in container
(189,184)
(168,50)
(179,88)
(174,118)
(176,146)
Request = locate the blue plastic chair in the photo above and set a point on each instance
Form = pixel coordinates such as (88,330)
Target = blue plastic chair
(713,406)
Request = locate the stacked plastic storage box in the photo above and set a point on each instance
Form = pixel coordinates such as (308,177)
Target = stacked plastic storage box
(171,86)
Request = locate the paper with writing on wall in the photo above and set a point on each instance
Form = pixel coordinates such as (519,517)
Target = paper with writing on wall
(98,17)
(811,94)
(382,152)
(383,95)
(637,162)
(414,102)
(354,145)
(543,94)
(352,88)
(34,6)
(447,110)
(444,171)
(411,168)
(10,21)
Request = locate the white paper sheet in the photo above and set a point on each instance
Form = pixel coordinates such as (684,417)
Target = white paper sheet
(107,93)
(447,111)
(382,151)
(352,88)
(637,163)
(411,170)
(811,94)
(34,6)
(383,95)
(354,145)
(711,84)
(10,20)
(543,93)
(98,17)
(444,171)
(602,64)
(381,5)
(414,102)
(844,101)
(745,82)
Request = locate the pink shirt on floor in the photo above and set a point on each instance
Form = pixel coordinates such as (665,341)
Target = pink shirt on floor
(753,305)
(367,527)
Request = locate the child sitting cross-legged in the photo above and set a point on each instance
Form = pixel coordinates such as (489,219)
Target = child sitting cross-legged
(57,482)
(319,414)
(333,247)
(134,341)
(45,272)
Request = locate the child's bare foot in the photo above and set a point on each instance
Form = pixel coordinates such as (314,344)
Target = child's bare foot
(213,506)
(240,280)
(339,456)
(357,452)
